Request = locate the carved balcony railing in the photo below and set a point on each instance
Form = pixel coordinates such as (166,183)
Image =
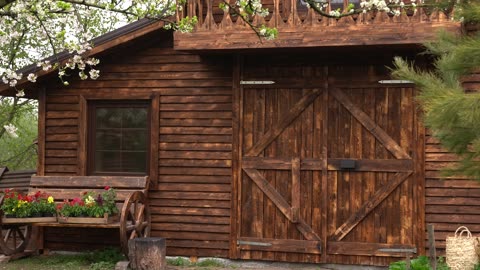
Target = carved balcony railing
(299,26)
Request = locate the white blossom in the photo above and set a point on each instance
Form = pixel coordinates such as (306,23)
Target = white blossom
(32,77)
(94,74)
(20,93)
(82,75)
(11,130)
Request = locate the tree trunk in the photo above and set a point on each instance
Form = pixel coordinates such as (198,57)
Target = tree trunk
(147,253)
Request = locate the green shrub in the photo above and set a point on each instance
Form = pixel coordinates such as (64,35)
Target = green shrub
(210,263)
(420,263)
(179,261)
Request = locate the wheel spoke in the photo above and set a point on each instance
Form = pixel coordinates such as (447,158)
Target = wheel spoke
(7,235)
(140,215)
(14,239)
(20,234)
(133,234)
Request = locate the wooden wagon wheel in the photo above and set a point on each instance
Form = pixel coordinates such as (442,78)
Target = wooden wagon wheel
(15,238)
(134,219)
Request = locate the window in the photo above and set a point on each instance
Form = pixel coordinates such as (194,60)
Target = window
(118,138)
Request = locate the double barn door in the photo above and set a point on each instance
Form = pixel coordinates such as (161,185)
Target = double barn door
(326,174)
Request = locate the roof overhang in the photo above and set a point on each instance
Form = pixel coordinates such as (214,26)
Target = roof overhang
(100,44)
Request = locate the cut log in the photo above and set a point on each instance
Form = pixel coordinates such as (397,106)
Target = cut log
(147,253)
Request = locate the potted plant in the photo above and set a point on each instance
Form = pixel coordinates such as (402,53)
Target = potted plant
(39,207)
(91,208)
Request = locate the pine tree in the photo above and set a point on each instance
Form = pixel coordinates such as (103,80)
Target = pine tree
(451,114)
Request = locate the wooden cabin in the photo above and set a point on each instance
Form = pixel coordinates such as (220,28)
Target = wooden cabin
(299,149)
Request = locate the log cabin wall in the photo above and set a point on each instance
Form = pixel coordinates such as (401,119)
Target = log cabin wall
(454,201)
(191,196)
(190,199)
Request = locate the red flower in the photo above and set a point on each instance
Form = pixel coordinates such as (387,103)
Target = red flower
(7,190)
(85,193)
(37,195)
(107,187)
(59,206)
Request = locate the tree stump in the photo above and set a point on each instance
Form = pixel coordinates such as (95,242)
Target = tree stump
(147,253)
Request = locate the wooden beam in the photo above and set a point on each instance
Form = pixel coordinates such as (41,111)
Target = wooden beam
(366,249)
(237,137)
(273,133)
(82,137)
(3,170)
(332,164)
(295,189)
(41,131)
(406,33)
(281,204)
(370,125)
(154,140)
(280,245)
(380,195)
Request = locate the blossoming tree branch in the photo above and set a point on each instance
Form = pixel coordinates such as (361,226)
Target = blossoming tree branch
(31,30)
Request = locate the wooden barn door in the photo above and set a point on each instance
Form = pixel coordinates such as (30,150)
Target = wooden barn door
(370,179)
(280,203)
(326,174)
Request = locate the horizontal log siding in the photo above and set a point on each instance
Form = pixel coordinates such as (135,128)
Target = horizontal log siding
(61,134)
(450,202)
(18,180)
(191,204)
(454,201)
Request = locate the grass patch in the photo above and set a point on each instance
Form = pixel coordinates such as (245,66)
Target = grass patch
(97,260)
(210,263)
(203,264)
(179,261)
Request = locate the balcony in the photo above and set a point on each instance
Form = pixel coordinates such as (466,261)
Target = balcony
(301,27)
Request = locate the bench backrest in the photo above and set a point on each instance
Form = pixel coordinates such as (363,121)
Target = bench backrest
(69,187)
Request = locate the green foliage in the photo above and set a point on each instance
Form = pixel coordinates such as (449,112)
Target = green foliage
(104,259)
(179,261)
(18,153)
(420,263)
(451,114)
(97,260)
(469,11)
(477,267)
(209,263)
(91,205)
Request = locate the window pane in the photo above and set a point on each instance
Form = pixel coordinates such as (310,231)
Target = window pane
(108,161)
(134,161)
(120,141)
(108,140)
(134,117)
(108,117)
(135,140)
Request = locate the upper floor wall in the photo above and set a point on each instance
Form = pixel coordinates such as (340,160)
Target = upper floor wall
(301,27)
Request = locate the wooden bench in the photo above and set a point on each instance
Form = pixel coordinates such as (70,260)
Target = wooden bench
(131,201)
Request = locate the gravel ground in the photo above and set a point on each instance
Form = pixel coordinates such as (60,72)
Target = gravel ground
(261,265)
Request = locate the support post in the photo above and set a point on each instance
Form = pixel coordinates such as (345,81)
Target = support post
(147,253)
(431,246)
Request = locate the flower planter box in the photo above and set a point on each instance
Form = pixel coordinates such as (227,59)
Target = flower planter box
(89,220)
(6,220)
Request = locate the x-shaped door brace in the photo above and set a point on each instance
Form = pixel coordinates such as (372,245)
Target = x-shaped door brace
(292,211)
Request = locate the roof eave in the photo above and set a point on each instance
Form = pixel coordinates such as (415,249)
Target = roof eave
(101,44)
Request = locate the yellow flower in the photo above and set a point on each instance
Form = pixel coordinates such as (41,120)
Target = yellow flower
(50,199)
(89,200)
